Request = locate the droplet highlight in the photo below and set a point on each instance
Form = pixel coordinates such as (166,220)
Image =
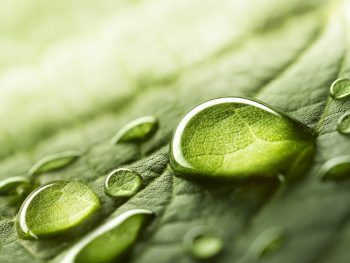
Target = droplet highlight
(343,126)
(123,183)
(202,244)
(54,162)
(232,138)
(13,185)
(137,131)
(267,242)
(340,89)
(56,208)
(335,169)
(110,241)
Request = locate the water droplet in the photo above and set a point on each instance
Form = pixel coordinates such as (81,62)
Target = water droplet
(344,124)
(56,208)
(267,242)
(110,241)
(340,88)
(335,169)
(54,162)
(202,244)
(239,138)
(14,185)
(123,183)
(137,131)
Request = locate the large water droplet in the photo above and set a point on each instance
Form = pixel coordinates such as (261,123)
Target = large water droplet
(54,162)
(56,208)
(110,241)
(123,183)
(202,244)
(267,242)
(344,124)
(239,138)
(13,185)
(340,88)
(137,131)
(335,169)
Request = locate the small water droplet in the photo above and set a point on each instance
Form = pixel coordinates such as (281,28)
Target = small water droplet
(123,183)
(335,169)
(344,124)
(340,88)
(54,162)
(110,241)
(239,138)
(266,243)
(202,244)
(56,208)
(137,131)
(14,185)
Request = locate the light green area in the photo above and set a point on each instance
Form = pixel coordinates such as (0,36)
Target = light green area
(340,88)
(237,138)
(80,80)
(56,208)
(54,162)
(11,184)
(137,131)
(110,241)
(344,124)
(123,183)
(336,169)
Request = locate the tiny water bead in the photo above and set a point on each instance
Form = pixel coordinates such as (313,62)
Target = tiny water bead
(344,124)
(238,138)
(202,244)
(110,241)
(12,185)
(137,131)
(54,162)
(56,208)
(335,169)
(123,183)
(266,243)
(340,88)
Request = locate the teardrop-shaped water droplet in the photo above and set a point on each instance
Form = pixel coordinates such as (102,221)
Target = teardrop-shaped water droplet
(123,183)
(56,208)
(239,138)
(202,244)
(10,185)
(54,162)
(267,242)
(344,124)
(110,241)
(137,131)
(335,169)
(340,88)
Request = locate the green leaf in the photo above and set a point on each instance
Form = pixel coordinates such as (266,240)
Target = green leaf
(108,63)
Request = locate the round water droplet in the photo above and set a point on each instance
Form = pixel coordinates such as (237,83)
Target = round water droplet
(123,183)
(266,243)
(202,244)
(340,88)
(56,208)
(110,241)
(54,162)
(335,169)
(344,124)
(238,138)
(13,185)
(137,131)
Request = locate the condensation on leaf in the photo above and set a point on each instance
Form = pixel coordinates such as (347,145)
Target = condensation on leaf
(56,208)
(110,241)
(11,184)
(137,131)
(335,169)
(344,124)
(238,138)
(340,88)
(54,162)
